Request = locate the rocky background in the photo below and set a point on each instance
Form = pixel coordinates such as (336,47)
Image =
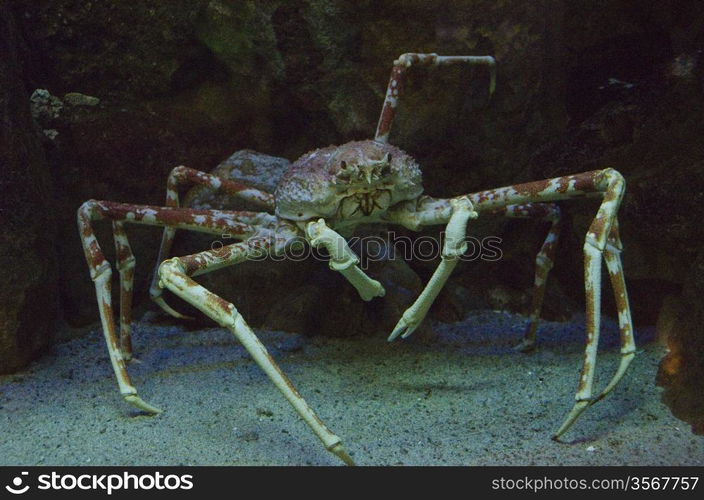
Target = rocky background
(128,90)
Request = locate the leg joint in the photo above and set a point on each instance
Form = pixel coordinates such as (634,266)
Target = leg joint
(543,261)
(592,242)
(126,263)
(170,266)
(612,180)
(103,270)
(614,247)
(88,210)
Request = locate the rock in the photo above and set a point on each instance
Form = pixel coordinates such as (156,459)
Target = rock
(664,174)
(681,371)
(45,109)
(28,296)
(248,167)
(78,99)
(44,106)
(326,304)
(116,51)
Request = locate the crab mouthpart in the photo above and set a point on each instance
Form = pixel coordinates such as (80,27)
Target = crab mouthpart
(365,204)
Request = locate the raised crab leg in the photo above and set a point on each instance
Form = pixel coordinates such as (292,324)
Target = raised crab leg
(119,346)
(175,274)
(398,76)
(181,177)
(343,259)
(453,247)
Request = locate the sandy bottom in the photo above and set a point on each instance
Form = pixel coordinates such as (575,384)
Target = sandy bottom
(466,398)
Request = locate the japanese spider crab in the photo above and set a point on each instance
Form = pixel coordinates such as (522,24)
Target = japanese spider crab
(332,190)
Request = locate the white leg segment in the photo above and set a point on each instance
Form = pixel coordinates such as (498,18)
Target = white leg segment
(173,276)
(343,259)
(453,248)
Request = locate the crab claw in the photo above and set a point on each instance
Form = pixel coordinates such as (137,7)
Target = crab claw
(406,325)
(339,451)
(169,310)
(138,402)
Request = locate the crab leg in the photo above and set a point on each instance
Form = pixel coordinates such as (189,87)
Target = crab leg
(101,273)
(429,211)
(611,252)
(125,266)
(240,224)
(453,247)
(608,183)
(612,185)
(543,261)
(175,274)
(612,255)
(398,76)
(183,176)
(343,259)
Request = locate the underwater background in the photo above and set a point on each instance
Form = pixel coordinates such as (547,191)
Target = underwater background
(100,100)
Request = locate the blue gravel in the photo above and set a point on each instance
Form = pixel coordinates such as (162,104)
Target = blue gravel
(460,397)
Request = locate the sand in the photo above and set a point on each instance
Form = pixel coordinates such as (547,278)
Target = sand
(464,398)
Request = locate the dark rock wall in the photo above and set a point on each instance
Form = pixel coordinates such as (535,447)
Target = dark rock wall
(682,369)
(192,82)
(28,294)
(581,85)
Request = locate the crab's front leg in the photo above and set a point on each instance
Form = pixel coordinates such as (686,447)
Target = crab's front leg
(343,259)
(453,247)
(175,274)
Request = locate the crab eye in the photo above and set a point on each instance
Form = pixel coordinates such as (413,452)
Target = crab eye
(386,170)
(343,164)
